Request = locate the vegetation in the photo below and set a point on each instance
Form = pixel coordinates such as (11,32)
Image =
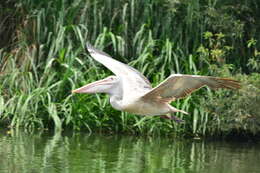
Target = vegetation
(42,59)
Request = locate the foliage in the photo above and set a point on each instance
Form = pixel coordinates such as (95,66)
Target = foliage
(236,112)
(42,58)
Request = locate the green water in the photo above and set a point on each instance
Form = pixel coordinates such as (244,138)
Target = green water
(41,152)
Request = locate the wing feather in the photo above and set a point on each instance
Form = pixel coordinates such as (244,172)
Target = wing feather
(178,86)
(133,81)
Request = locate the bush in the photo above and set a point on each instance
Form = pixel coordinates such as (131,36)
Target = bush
(236,111)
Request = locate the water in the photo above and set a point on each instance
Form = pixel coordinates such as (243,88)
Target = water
(41,152)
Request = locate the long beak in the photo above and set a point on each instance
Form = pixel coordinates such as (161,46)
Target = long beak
(89,88)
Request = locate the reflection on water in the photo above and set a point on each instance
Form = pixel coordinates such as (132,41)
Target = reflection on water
(33,153)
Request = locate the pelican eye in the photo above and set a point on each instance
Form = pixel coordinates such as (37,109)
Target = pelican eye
(112,78)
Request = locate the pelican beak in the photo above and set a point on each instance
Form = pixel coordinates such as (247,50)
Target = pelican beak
(93,87)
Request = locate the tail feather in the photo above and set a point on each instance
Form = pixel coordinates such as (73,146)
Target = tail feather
(173,109)
(181,111)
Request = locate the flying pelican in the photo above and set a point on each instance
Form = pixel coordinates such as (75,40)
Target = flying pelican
(130,91)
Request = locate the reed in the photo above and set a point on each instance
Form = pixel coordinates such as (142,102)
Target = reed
(45,58)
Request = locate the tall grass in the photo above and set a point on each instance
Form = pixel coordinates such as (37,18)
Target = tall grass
(46,59)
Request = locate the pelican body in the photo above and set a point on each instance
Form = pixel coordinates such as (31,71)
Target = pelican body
(130,91)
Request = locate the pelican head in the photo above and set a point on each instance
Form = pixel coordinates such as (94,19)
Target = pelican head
(107,85)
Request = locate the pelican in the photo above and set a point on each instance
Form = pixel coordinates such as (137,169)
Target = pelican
(131,92)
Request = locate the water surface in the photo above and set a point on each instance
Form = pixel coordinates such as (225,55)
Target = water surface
(81,152)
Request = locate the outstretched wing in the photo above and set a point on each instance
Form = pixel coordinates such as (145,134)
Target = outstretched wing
(178,86)
(133,81)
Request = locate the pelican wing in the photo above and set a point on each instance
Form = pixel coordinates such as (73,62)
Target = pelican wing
(133,80)
(178,86)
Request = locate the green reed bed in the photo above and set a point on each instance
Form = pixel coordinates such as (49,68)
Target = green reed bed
(44,59)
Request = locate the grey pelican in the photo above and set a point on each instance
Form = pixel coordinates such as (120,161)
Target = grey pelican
(130,91)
